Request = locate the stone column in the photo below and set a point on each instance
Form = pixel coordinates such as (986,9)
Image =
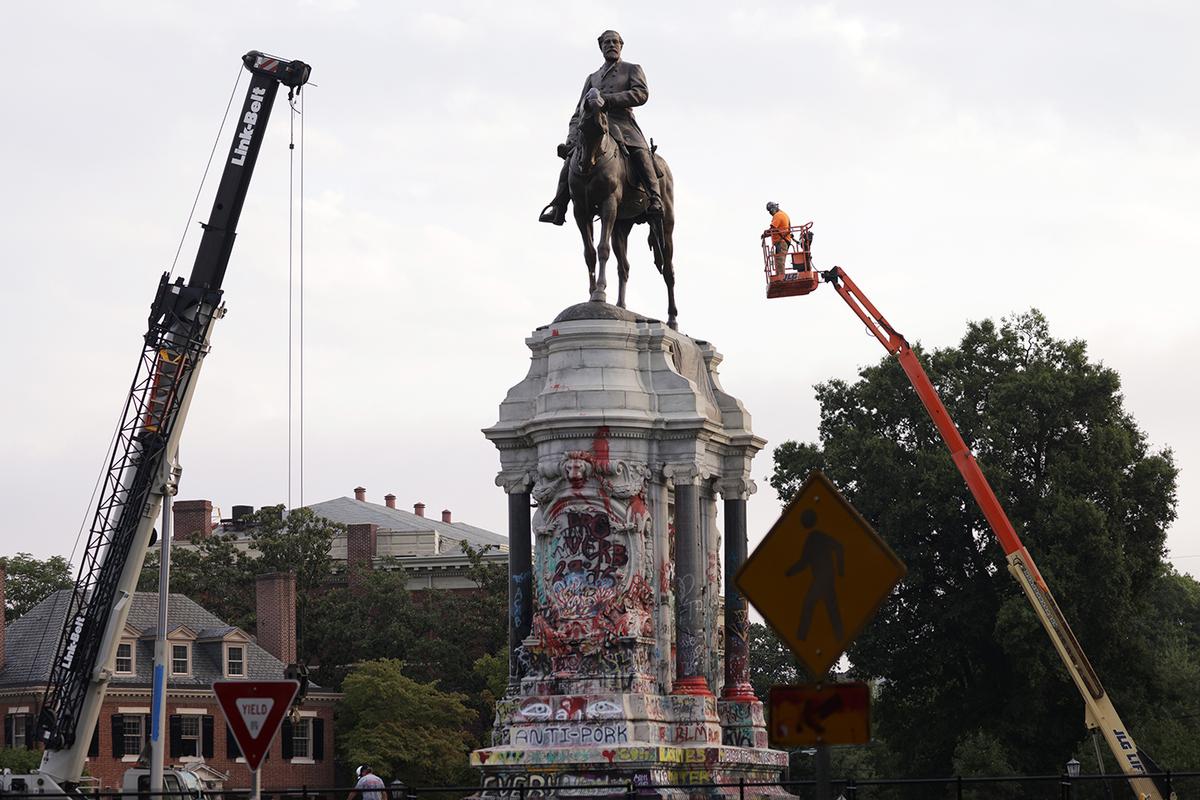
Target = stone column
(737,619)
(689,584)
(520,579)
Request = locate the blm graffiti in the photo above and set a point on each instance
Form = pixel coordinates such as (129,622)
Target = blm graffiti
(587,553)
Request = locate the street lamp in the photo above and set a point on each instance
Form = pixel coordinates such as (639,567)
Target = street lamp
(1068,787)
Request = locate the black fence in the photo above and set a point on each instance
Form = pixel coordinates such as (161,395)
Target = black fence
(1184,785)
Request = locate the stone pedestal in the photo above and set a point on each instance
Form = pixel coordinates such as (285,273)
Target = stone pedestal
(623,438)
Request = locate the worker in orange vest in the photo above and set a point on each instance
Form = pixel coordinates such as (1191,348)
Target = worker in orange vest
(781,236)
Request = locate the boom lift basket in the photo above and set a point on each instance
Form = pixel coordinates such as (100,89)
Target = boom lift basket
(787,261)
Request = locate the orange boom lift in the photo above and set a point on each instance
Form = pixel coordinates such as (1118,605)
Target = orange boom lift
(790,274)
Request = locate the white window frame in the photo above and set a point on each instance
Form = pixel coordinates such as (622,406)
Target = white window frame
(304,724)
(198,737)
(18,727)
(188,651)
(132,658)
(132,753)
(228,661)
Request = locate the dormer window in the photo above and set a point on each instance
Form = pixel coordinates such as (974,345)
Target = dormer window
(180,659)
(235,661)
(124,663)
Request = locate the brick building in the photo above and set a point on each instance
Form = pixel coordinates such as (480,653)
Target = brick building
(202,649)
(429,549)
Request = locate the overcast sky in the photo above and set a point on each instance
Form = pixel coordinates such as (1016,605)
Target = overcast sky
(961,161)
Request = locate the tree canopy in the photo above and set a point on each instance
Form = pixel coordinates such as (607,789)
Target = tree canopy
(405,729)
(31,580)
(966,673)
(214,572)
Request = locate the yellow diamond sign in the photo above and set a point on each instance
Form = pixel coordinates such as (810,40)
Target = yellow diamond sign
(819,575)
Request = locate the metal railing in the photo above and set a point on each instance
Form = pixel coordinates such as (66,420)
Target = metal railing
(522,786)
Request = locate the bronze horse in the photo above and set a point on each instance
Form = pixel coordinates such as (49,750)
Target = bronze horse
(602,184)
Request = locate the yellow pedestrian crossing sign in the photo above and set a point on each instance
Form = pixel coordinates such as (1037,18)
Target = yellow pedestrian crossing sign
(819,574)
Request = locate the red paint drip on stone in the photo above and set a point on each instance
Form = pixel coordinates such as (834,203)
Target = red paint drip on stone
(600,449)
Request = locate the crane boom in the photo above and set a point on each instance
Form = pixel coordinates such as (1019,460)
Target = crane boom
(142,467)
(1101,714)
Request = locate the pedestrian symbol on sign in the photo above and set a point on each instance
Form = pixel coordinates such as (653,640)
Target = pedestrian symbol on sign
(820,552)
(819,575)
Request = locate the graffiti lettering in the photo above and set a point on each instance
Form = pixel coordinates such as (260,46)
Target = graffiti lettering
(549,735)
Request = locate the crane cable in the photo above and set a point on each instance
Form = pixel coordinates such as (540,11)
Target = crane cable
(88,511)
(295,303)
(216,142)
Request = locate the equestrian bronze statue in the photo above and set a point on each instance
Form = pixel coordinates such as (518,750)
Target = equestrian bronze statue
(612,173)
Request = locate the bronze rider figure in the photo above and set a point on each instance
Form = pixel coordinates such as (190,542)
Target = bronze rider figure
(623,87)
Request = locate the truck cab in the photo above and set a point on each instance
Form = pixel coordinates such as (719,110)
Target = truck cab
(178,784)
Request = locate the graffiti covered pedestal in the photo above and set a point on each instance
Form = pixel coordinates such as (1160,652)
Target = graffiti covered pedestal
(622,438)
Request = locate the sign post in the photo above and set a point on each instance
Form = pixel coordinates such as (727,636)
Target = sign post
(818,577)
(254,710)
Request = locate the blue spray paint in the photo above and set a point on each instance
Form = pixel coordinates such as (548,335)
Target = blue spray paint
(156,701)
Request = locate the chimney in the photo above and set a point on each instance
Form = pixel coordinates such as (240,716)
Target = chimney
(241,512)
(275,594)
(3,618)
(419,509)
(390,499)
(362,544)
(193,519)
(360,494)
(446,516)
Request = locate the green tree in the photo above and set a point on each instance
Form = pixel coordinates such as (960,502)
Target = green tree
(406,730)
(372,616)
(31,580)
(214,572)
(20,760)
(964,660)
(298,542)
(980,754)
(771,661)
(455,628)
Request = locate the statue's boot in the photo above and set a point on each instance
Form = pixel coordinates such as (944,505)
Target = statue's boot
(645,164)
(556,212)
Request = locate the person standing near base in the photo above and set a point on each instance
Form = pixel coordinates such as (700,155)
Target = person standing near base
(781,235)
(369,787)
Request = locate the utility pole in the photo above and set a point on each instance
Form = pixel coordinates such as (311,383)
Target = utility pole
(158,700)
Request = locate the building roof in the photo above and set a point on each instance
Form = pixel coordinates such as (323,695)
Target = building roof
(349,511)
(30,642)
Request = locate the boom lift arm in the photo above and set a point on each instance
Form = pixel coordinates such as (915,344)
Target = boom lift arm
(142,467)
(1101,714)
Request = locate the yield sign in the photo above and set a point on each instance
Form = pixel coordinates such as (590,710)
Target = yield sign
(819,575)
(254,711)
